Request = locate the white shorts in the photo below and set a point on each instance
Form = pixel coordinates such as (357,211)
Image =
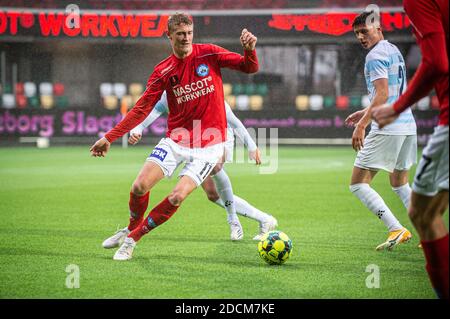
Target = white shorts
(432,171)
(387,152)
(199,161)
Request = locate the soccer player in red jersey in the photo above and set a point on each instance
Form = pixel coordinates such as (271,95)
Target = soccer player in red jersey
(429,199)
(197,124)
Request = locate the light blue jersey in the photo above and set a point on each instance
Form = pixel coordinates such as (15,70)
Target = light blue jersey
(385,61)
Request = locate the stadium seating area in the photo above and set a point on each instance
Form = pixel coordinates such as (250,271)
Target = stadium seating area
(115,95)
(250,97)
(242,97)
(43,95)
(319,102)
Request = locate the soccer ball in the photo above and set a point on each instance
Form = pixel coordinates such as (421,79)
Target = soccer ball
(275,247)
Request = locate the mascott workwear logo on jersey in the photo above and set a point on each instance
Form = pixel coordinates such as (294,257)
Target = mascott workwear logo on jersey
(194,90)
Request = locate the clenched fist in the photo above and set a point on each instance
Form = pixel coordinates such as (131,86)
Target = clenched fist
(248,40)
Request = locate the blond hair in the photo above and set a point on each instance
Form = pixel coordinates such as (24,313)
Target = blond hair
(177,19)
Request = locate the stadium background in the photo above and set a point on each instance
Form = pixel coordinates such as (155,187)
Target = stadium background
(70,85)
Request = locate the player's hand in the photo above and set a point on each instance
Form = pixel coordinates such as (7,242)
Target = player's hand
(134,138)
(100,148)
(248,40)
(255,156)
(384,115)
(358,137)
(354,118)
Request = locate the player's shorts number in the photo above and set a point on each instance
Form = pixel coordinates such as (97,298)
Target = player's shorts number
(427,161)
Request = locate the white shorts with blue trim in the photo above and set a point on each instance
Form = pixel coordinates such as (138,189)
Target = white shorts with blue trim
(199,162)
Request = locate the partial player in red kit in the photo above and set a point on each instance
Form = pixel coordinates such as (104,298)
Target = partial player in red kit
(197,125)
(429,199)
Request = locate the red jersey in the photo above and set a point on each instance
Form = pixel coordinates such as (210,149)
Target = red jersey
(430,22)
(194,94)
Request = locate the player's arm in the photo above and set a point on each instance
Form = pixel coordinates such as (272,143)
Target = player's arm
(138,113)
(247,63)
(381,96)
(160,109)
(434,64)
(243,134)
(136,133)
(355,117)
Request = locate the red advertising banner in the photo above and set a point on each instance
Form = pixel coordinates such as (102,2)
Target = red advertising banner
(98,25)
(335,24)
(89,25)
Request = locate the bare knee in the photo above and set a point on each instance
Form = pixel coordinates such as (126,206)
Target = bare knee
(177,197)
(416,217)
(424,210)
(399,178)
(139,187)
(213,196)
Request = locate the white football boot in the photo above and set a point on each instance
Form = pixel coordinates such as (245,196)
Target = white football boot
(270,224)
(236,231)
(117,239)
(125,252)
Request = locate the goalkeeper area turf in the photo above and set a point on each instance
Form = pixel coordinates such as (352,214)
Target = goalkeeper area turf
(57,205)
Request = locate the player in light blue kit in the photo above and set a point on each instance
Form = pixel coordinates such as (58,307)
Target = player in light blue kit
(218,187)
(392,148)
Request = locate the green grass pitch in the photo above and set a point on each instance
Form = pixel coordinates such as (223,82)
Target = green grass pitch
(57,205)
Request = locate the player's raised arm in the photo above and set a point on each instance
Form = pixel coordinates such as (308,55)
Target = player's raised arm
(248,40)
(248,63)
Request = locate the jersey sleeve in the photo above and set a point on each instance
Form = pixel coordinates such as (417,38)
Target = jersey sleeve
(239,129)
(377,67)
(431,37)
(143,107)
(248,63)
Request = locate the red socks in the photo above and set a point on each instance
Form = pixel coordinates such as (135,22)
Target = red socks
(138,205)
(436,255)
(157,216)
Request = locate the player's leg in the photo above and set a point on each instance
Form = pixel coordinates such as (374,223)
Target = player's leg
(399,179)
(400,185)
(266,221)
(164,210)
(426,215)
(429,201)
(157,216)
(161,162)
(360,187)
(199,164)
(148,177)
(150,174)
(225,190)
(379,152)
